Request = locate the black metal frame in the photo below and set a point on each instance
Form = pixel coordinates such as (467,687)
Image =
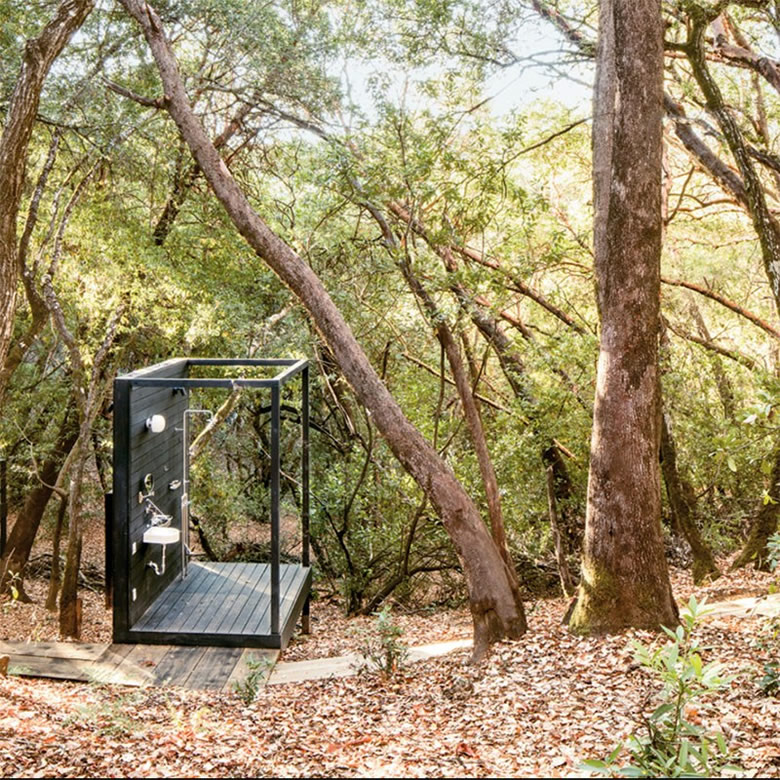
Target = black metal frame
(290,369)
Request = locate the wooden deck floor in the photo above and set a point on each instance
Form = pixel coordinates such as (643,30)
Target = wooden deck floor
(225,604)
(214,668)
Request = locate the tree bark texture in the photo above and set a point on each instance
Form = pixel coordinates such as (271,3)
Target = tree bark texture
(496,608)
(568,584)
(39,54)
(471,412)
(763,526)
(55,575)
(28,520)
(682,501)
(625,580)
(70,608)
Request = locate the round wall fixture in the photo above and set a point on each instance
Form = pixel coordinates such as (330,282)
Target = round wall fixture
(155,423)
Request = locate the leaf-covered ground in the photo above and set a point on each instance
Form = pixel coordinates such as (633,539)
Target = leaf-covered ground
(538,706)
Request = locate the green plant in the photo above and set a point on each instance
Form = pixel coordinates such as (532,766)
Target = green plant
(773,545)
(670,743)
(382,650)
(770,682)
(247,689)
(110,717)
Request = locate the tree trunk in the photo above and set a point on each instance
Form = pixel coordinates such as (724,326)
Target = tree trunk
(625,580)
(39,54)
(568,584)
(55,576)
(470,411)
(70,608)
(28,520)
(495,602)
(765,524)
(683,505)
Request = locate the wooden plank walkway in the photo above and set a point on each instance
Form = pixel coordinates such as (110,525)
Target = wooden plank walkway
(200,668)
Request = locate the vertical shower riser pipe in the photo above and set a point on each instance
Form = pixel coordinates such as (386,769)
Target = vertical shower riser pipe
(185,483)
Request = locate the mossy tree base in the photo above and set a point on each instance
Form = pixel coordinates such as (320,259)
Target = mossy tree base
(607,604)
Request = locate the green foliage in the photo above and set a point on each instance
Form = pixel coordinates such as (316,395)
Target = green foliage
(418,125)
(259,669)
(382,649)
(111,717)
(769,682)
(773,547)
(767,638)
(671,745)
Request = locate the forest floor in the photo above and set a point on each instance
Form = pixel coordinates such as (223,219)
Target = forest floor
(537,707)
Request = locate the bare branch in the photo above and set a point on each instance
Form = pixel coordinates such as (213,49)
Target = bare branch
(128,93)
(723,301)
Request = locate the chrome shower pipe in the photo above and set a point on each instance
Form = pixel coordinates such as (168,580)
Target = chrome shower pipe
(185,496)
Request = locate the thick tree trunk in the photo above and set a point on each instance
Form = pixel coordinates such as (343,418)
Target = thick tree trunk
(625,580)
(495,603)
(682,501)
(28,520)
(39,54)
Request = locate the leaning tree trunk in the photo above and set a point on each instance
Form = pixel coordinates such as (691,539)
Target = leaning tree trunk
(764,525)
(682,501)
(625,580)
(495,603)
(28,520)
(39,54)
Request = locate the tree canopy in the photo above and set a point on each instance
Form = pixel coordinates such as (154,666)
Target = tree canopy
(402,193)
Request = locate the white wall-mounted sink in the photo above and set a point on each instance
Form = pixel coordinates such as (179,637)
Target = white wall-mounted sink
(161,535)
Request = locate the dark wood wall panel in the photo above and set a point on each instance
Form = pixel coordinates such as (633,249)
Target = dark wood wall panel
(161,455)
(137,452)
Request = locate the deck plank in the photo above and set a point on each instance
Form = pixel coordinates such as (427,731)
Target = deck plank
(202,593)
(227,604)
(240,581)
(176,666)
(123,665)
(167,601)
(137,665)
(75,651)
(47,666)
(207,598)
(252,598)
(262,620)
(243,602)
(214,667)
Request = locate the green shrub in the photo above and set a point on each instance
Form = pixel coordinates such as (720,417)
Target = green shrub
(670,745)
(247,689)
(382,650)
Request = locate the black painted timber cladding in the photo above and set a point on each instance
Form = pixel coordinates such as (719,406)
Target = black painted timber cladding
(138,452)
